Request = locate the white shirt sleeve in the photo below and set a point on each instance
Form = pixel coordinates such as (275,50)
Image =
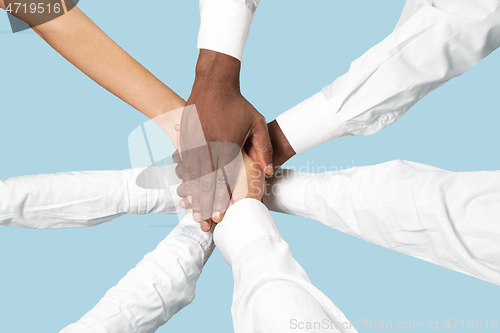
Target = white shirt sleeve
(156,289)
(225,25)
(448,218)
(433,42)
(81,199)
(272,293)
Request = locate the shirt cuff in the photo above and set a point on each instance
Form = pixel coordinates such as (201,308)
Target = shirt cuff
(224,26)
(189,227)
(286,192)
(311,123)
(244,222)
(155,195)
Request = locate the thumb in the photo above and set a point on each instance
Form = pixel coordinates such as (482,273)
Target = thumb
(263,149)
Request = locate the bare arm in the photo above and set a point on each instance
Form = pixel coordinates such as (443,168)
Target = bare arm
(78,39)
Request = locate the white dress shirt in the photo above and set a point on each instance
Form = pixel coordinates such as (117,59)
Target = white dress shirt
(161,284)
(434,41)
(272,293)
(225,24)
(156,289)
(81,199)
(448,218)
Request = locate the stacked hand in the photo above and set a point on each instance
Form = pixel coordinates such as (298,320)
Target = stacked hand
(216,124)
(248,180)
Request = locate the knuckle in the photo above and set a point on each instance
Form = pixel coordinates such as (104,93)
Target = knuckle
(206,212)
(176,156)
(206,186)
(178,170)
(184,168)
(194,178)
(183,190)
(260,118)
(268,149)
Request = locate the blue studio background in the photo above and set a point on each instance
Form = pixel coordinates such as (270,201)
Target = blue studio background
(55,119)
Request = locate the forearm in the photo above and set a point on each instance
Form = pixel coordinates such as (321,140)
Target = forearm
(86,46)
(395,74)
(436,215)
(156,289)
(272,292)
(78,199)
(271,288)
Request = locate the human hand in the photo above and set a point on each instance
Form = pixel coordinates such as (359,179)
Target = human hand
(282,150)
(249,182)
(216,124)
(167,122)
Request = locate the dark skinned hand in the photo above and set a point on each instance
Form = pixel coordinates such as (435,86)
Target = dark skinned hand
(216,124)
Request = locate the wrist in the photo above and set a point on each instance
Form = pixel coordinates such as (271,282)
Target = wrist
(218,68)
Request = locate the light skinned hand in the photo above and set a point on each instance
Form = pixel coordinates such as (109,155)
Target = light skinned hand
(249,183)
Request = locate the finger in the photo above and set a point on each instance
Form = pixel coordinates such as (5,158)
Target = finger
(194,189)
(185,203)
(220,217)
(263,148)
(176,157)
(178,143)
(226,177)
(190,133)
(228,161)
(206,225)
(222,196)
(178,170)
(177,128)
(207,190)
(184,189)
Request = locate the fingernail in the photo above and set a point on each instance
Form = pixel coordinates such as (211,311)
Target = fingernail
(190,200)
(197,217)
(182,204)
(204,226)
(216,216)
(270,169)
